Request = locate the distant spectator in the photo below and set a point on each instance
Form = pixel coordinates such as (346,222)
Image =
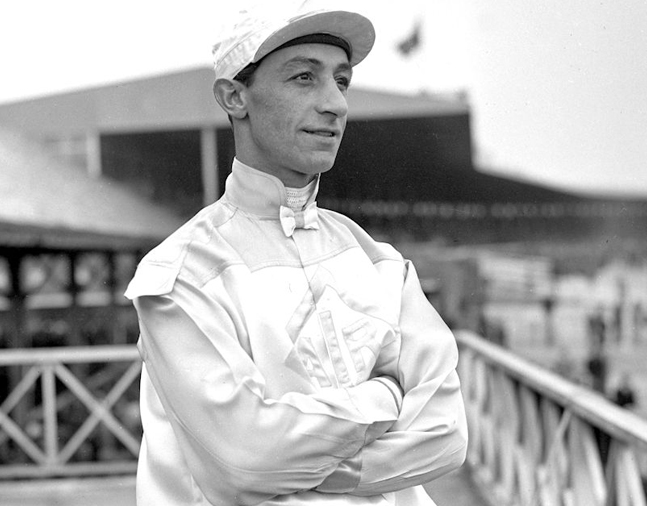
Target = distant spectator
(597,329)
(597,365)
(617,323)
(492,330)
(624,395)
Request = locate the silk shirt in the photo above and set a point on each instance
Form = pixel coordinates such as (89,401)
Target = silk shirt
(289,360)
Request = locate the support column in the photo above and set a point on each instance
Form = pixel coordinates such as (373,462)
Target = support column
(17,296)
(93,154)
(209,157)
(625,315)
(74,289)
(118,334)
(19,337)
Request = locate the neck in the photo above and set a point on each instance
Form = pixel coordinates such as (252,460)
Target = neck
(290,178)
(298,197)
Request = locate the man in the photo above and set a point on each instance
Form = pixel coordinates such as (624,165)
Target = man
(289,358)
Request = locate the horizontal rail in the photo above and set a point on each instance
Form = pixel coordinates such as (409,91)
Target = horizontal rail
(582,401)
(73,469)
(69,355)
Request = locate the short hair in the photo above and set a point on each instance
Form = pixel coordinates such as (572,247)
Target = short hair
(246,75)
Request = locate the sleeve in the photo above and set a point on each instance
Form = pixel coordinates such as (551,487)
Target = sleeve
(238,443)
(429,438)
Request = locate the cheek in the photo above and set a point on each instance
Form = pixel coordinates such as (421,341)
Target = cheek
(275,116)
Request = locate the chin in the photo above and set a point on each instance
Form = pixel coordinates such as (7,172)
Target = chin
(312,163)
(320,166)
(325,168)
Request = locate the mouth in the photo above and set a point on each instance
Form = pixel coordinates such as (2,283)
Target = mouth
(324,133)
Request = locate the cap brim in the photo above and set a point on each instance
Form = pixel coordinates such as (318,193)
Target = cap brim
(357,30)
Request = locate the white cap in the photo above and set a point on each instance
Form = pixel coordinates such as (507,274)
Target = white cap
(256,34)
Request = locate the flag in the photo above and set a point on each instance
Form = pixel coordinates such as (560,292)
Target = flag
(412,42)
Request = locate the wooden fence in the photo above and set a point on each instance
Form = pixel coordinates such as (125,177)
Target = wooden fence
(69,411)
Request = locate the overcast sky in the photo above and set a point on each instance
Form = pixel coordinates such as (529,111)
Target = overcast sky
(557,89)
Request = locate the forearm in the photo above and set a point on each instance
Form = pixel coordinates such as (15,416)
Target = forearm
(417,450)
(430,435)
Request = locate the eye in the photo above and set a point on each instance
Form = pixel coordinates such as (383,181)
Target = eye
(343,82)
(304,76)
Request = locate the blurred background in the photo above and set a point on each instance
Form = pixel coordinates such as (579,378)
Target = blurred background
(499,146)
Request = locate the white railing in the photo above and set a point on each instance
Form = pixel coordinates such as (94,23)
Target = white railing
(69,411)
(537,439)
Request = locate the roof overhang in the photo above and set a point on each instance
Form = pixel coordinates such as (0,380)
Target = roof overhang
(40,239)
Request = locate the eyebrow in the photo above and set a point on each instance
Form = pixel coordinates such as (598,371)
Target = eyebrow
(314,62)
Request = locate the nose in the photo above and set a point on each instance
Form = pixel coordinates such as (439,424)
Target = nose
(332,100)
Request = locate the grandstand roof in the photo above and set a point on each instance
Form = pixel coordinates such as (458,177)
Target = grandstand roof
(183,100)
(48,205)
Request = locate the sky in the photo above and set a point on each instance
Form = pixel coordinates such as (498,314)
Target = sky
(556,89)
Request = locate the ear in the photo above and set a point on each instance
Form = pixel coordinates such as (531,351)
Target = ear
(229,94)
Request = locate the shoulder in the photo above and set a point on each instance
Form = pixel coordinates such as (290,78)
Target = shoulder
(195,251)
(377,251)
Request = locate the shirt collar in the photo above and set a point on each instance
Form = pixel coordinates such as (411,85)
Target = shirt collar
(257,192)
